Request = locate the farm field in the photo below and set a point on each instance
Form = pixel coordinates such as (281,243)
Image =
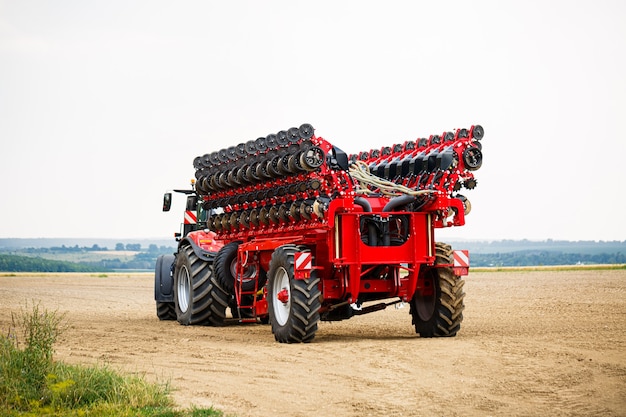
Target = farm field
(544,342)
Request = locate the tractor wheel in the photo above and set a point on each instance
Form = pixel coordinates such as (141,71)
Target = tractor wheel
(198,298)
(163,287)
(293,304)
(439,312)
(166,311)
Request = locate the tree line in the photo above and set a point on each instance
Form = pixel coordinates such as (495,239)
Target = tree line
(131,247)
(541,258)
(35,259)
(17,263)
(146,259)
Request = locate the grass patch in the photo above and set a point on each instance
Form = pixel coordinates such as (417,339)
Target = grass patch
(33,384)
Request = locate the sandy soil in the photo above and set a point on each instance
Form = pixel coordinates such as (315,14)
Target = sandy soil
(532,343)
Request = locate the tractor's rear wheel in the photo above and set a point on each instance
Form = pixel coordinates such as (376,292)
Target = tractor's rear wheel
(293,304)
(166,311)
(438,310)
(198,298)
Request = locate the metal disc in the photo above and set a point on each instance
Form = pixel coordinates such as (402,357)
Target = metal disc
(306,131)
(478,132)
(293,135)
(270,141)
(261,145)
(281,138)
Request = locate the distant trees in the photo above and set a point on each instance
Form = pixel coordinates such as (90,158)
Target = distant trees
(73,258)
(66,249)
(541,258)
(82,259)
(16,263)
(135,247)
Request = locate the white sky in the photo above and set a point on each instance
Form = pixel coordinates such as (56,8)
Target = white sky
(104,105)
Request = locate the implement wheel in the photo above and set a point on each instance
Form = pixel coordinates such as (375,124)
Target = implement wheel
(437,311)
(225,266)
(226,269)
(198,298)
(293,304)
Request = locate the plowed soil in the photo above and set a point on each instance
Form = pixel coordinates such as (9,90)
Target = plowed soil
(533,343)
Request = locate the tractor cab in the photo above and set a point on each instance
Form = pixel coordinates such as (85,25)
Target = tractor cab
(196,215)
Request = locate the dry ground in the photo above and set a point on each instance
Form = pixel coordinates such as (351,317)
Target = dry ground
(532,344)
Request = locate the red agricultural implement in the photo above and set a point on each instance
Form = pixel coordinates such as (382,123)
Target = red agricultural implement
(289,229)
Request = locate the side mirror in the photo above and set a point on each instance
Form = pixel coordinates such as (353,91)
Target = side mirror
(167,201)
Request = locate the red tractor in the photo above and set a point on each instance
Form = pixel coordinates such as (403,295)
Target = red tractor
(288,229)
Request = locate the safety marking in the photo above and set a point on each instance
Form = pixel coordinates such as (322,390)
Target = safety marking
(302,260)
(190,217)
(461,258)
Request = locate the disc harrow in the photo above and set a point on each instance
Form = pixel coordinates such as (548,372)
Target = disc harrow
(279,182)
(438,165)
(285,180)
(289,229)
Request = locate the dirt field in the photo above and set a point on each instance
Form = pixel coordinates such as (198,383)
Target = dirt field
(532,344)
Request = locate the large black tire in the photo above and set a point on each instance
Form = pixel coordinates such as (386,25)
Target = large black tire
(295,319)
(439,314)
(166,311)
(164,287)
(225,270)
(198,298)
(225,265)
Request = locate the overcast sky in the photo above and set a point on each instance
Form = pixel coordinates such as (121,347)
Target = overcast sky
(104,105)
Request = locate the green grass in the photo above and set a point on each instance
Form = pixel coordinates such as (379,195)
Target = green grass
(33,384)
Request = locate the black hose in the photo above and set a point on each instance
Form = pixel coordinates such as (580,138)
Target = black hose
(372,236)
(360,201)
(399,201)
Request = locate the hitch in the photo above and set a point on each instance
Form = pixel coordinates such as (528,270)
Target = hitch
(374,308)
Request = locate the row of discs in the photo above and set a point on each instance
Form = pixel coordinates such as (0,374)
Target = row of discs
(417,161)
(265,216)
(281,139)
(285,153)
(477,132)
(262,195)
(301,158)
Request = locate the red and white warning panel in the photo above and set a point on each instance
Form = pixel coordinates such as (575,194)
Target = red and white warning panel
(190,217)
(302,264)
(461,262)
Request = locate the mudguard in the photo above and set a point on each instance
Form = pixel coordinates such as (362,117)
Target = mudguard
(163,279)
(203,244)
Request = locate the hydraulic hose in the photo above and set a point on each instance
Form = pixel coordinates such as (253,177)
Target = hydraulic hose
(360,201)
(400,201)
(372,238)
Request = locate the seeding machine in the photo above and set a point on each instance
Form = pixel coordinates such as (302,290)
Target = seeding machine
(288,229)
